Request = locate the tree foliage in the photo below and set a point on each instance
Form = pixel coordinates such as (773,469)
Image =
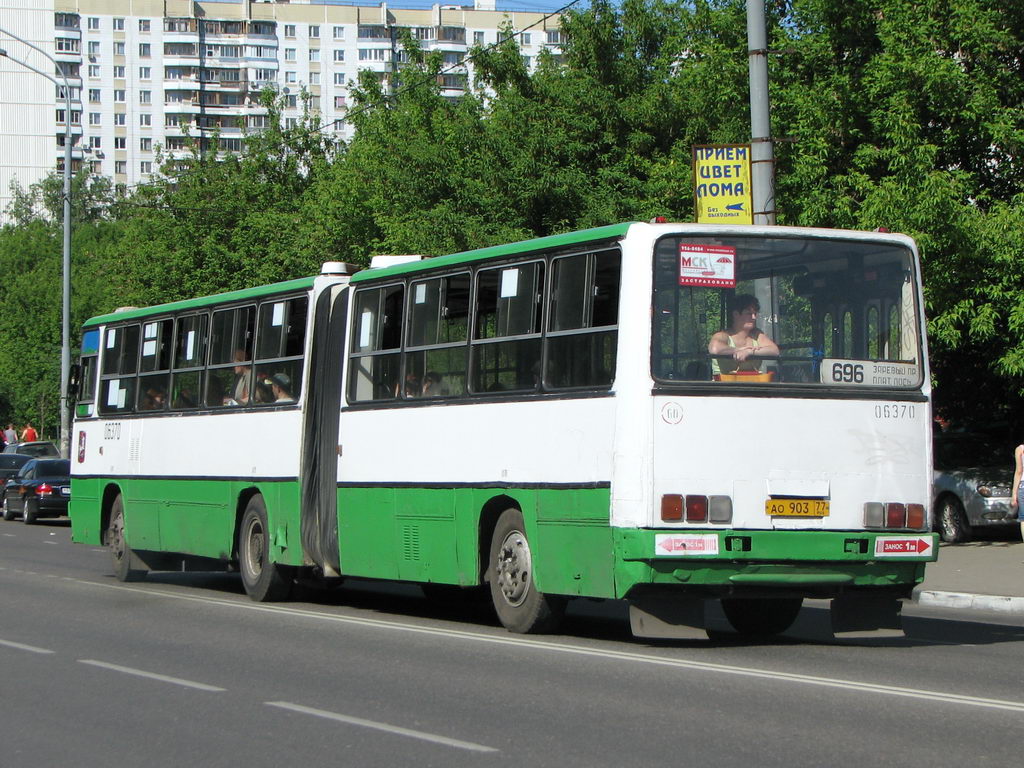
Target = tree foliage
(906,115)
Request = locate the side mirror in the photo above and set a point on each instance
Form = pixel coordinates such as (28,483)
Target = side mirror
(74,379)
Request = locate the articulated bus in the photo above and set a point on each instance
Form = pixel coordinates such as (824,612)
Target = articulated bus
(544,420)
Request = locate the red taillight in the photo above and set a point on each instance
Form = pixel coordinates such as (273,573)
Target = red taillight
(671,507)
(44,489)
(895,515)
(915,516)
(696,509)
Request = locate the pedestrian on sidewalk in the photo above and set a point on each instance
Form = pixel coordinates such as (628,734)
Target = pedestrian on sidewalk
(29,434)
(10,436)
(1017,491)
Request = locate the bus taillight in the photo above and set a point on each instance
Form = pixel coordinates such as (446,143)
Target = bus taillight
(895,515)
(915,516)
(671,507)
(720,509)
(696,509)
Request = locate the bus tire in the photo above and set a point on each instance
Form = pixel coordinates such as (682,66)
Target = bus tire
(517,602)
(127,566)
(31,512)
(264,581)
(755,617)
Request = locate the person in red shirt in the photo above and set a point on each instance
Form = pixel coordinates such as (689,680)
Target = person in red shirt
(29,434)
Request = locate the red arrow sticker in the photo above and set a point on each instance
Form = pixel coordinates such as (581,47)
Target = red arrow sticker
(901,546)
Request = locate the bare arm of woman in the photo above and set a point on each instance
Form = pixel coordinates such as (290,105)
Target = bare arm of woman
(719,344)
(1018,459)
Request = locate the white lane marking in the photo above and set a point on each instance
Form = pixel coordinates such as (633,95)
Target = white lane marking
(151,675)
(395,729)
(9,535)
(23,647)
(50,542)
(641,658)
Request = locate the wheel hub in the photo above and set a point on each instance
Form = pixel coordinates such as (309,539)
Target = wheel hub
(515,568)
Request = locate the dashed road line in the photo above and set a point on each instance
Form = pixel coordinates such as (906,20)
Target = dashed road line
(23,647)
(151,675)
(386,727)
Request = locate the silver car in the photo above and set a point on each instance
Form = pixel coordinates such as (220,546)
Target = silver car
(971,485)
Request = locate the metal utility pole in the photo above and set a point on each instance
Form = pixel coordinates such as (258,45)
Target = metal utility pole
(65,344)
(762,154)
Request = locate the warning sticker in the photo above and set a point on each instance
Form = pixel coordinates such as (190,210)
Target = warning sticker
(901,546)
(712,266)
(685,544)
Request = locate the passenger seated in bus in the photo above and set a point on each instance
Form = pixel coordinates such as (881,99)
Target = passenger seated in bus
(153,399)
(240,392)
(742,341)
(412,385)
(281,386)
(432,384)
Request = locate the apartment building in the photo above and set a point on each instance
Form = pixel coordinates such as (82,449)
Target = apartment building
(146,74)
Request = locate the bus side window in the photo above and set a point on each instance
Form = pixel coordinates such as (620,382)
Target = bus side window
(280,347)
(582,321)
(376,344)
(189,360)
(155,365)
(506,353)
(120,364)
(436,352)
(229,380)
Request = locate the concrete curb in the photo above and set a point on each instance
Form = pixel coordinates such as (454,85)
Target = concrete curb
(994,603)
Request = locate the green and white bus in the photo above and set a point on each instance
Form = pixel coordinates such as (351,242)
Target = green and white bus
(543,419)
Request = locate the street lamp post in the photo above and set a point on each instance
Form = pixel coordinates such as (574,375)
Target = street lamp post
(65,343)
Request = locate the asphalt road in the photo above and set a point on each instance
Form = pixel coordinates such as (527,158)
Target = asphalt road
(183,669)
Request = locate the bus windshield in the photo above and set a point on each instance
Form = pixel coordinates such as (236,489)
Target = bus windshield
(819,312)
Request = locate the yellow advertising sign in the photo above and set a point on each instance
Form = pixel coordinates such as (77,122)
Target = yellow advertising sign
(721,184)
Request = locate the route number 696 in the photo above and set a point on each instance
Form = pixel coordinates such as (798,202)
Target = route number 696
(848,373)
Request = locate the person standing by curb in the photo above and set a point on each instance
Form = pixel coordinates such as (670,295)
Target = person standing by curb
(29,434)
(1017,492)
(10,436)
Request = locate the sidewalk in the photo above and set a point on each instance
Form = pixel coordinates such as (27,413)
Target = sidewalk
(984,575)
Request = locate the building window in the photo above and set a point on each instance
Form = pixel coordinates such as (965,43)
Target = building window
(478,38)
(264,74)
(119,119)
(291,122)
(339,54)
(291,101)
(289,30)
(93,22)
(372,54)
(94,95)
(339,33)
(94,70)
(119,49)
(314,78)
(66,45)
(314,54)
(314,31)
(95,118)
(145,120)
(145,97)
(76,116)
(146,145)
(118,25)
(554,37)
(339,102)
(145,50)
(119,72)
(289,54)
(339,78)
(121,166)
(94,47)
(143,25)
(144,73)
(146,166)
(526,38)
(119,95)
(290,77)
(120,142)
(95,142)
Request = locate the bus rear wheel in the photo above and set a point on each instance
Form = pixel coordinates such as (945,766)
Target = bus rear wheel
(519,605)
(752,617)
(126,563)
(264,580)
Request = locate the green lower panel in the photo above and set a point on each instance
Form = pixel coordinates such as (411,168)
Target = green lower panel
(434,534)
(815,561)
(192,517)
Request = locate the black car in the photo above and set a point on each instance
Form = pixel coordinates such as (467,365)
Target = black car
(37,448)
(42,488)
(10,463)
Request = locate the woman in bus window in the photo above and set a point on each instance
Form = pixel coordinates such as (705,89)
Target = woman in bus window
(742,341)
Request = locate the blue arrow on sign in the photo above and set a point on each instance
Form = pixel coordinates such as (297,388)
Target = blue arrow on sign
(734,207)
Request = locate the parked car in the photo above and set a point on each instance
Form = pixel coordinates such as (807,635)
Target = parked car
(971,485)
(42,488)
(37,448)
(10,463)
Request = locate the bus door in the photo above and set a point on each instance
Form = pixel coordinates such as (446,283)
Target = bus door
(319,466)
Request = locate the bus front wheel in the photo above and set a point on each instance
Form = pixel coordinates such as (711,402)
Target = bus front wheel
(753,617)
(264,580)
(126,563)
(518,603)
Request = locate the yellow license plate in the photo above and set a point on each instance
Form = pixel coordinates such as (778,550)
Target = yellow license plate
(796,507)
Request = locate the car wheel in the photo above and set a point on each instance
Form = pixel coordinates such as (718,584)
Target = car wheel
(951,521)
(8,512)
(31,511)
